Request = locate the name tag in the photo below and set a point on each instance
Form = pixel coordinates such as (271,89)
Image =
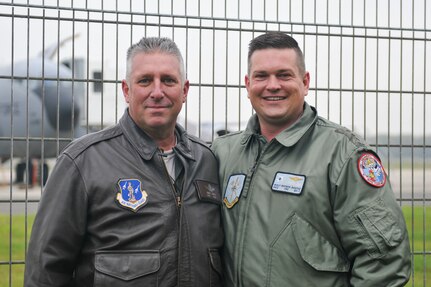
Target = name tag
(288,182)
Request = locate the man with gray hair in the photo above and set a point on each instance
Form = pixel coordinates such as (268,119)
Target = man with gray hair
(137,204)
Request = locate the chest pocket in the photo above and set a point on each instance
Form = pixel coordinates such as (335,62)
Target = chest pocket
(301,256)
(316,250)
(126,268)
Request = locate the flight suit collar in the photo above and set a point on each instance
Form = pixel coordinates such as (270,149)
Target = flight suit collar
(289,136)
(145,145)
(293,134)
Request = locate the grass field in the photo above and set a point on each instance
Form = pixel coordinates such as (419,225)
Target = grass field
(420,242)
(12,274)
(13,248)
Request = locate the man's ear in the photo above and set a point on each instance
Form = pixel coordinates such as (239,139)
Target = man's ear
(125,88)
(306,82)
(186,90)
(247,84)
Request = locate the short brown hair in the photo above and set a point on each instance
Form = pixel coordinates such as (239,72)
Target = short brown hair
(276,40)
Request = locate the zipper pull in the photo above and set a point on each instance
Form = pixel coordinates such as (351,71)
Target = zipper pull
(178,201)
(252,168)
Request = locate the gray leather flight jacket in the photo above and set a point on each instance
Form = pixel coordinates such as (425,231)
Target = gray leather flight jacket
(110,215)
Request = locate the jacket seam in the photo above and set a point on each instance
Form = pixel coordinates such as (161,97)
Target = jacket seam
(80,175)
(79,146)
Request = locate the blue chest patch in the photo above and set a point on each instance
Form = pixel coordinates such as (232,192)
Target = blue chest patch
(131,194)
(234,188)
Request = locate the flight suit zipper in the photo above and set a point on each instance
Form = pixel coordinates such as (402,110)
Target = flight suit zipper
(262,147)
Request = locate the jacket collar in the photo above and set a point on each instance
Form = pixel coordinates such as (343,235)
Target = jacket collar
(289,136)
(145,145)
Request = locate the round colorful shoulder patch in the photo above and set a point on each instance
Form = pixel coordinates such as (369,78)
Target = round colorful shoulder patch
(371,170)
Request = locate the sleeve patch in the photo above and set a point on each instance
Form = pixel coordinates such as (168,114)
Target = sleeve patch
(371,170)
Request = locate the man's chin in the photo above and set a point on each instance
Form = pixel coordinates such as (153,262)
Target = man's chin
(160,124)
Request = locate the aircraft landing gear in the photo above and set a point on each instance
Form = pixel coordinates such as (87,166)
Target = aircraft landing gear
(33,174)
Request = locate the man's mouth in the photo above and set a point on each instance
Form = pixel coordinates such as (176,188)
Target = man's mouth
(156,107)
(274,98)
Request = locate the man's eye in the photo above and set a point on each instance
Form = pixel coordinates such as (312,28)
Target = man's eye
(284,76)
(260,76)
(144,81)
(169,81)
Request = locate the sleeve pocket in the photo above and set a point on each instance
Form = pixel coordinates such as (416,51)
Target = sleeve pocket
(127,265)
(316,250)
(378,227)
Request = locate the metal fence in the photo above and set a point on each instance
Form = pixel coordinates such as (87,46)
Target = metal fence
(62,63)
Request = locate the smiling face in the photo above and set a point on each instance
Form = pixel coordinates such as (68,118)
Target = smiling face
(154,91)
(276,87)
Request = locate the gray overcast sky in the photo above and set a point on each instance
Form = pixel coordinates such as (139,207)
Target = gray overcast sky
(379,54)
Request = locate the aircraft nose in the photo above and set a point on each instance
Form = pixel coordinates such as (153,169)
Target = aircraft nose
(61,105)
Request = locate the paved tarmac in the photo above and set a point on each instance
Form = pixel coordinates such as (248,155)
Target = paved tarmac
(21,199)
(17,198)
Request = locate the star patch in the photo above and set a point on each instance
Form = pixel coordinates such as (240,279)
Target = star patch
(371,170)
(131,195)
(234,188)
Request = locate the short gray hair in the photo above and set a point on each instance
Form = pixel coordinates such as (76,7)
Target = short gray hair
(151,45)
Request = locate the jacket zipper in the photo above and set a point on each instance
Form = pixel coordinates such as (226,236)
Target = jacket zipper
(174,191)
(178,204)
(252,170)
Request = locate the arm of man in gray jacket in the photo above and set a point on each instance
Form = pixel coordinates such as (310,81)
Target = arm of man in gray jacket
(58,229)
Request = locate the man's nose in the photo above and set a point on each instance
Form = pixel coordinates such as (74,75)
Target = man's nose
(157,90)
(273,83)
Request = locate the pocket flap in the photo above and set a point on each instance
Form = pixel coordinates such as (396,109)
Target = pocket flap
(127,265)
(215,260)
(380,224)
(317,250)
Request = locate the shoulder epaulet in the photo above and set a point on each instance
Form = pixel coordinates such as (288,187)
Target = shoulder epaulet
(351,136)
(231,134)
(197,140)
(79,145)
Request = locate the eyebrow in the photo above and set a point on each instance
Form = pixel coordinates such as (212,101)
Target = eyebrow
(277,71)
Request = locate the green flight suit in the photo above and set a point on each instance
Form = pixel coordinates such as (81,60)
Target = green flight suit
(298,212)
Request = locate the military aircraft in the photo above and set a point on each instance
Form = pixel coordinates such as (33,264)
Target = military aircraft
(40,107)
